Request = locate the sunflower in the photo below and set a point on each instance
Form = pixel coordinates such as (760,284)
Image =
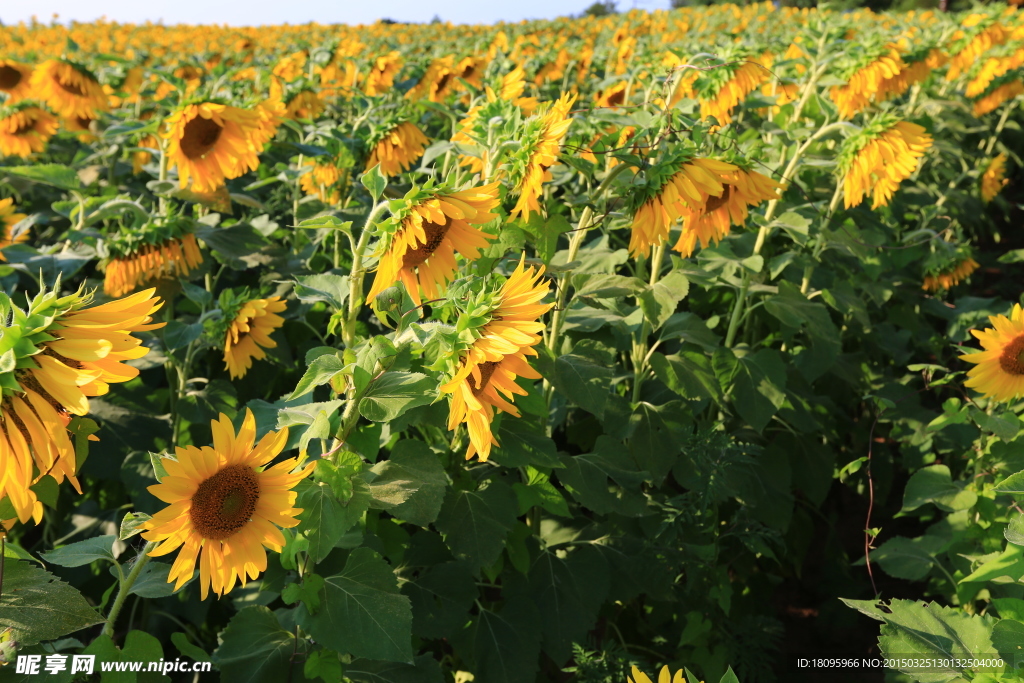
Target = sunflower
(711,220)
(68,89)
(664,677)
(991,69)
(170,258)
(437,81)
(1004,92)
(249,333)
(982,42)
(210,143)
(8,219)
(866,83)
(471,70)
(878,160)
(744,81)
(612,97)
(320,179)
(950,276)
(225,506)
(382,73)
(82,125)
(994,178)
(15,80)
(290,67)
(25,130)
(304,105)
(397,149)
(542,145)
(271,112)
(65,351)
(421,252)
(999,371)
(485,378)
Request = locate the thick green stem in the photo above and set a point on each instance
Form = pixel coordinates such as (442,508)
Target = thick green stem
(125,589)
(641,353)
(999,127)
(355,292)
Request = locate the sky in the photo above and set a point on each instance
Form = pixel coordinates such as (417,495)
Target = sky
(259,12)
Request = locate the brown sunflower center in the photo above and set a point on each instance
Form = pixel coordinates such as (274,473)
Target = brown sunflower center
(70,88)
(486,370)
(715,203)
(199,137)
(442,82)
(83,121)
(616,98)
(1011,360)
(27,127)
(9,77)
(435,235)
(225,502)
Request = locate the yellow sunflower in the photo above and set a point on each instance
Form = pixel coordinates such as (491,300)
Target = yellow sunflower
(994,178)
(82,125)
(989,37)
(485,379)
(950,276)
(883,163)
(26,131)
(542,155)
(15,80)
(421,253)
(999,371)
(225,506)
(744,81)
(612,97)
(398,149)
(210,143)
(320,179)
(866,83)
(304,105)
(8,219)
(664,677)
(271,113)
(249,333)
(382,73)
(68,90)
(76,353)
(171,258)
(991,101)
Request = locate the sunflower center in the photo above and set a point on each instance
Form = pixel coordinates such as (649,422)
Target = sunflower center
(225,502)
(442,82)
(435,235)
(715,203)
(27,127)
(1012,358)
(486,370)
(83,121)
(9,77)
(199,137)
(616,98)
(70,88)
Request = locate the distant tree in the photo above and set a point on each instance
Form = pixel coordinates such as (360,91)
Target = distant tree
(436,20)
(600,9)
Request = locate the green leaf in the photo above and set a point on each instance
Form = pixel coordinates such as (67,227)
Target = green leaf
(602,286)
(441,596)
(83,552)
(235,244)
(374,182)
(321,371)
(659,302)
(908,558)
(475,523)
(393,393)
(1012,484)
(1014,533)
(916,630)
(40,607)
(657,432)
(139,646)
(325,519)
(935,485)
(327,287)
(425,669)
(522,444)
(1008,640)
(317,222)
(254,648)
(507,643)
(689,374)
(587,478)
(187,648)
(417,470)
(691,329)
(364,598)
(538,491)
(583,381)
(568,593)
(307,590)
(1008,563)
(152,581)
(323,664)
(48,174)
(131,524)
(793,309)
(758,383)
(179,335)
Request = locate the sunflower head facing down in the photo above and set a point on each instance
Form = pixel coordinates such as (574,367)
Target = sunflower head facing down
(396,147)
(149,254)
(25,129)
(879,157)
(994,178)
(484,371)
(426,230)
(249,324)
(542,139)
(69,89)
(999,367)
(8,219)
(211,143)
(225,506)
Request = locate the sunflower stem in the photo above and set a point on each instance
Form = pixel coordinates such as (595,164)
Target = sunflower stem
(124,590)
(640,350)
(999,126)
(355,292)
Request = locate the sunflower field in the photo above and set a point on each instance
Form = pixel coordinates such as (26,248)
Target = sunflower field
(685,341)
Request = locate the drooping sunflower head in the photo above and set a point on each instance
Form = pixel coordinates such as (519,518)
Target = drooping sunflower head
(395,146)
(382,73)
(541,143)
(15,80)
(148,254)
(8,219)
(245,327)
(226,505)
(304,105)
(875,160)
(722,89)
(498,327)
(68,89)
(1000,90)
(211,143)
(994,178)
(25,129)
(418,244)
(999,367)
(612,96)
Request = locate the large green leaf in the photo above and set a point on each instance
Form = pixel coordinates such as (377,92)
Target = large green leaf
(583,381)
(82,552)
(49,174)
(441,597)
(1008,563)
(587,478)
(935,485)
(393,393)
(657,434)
(756,383)
(362,612)
(908,558)
(794,310)
(39,607)
(475,523)
(255,648)
(325,516)
(506,643)
(659,301)
(139,646)
(424,669)
(689,374)
(414,479)
(568,593)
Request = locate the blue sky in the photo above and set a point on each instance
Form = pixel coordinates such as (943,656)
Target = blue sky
(257,12)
